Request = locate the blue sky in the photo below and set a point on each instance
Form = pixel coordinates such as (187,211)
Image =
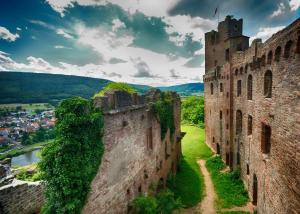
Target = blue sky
(157,42)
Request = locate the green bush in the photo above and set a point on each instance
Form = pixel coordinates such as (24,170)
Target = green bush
(163,108)
(71,161)
(118,86)
(228,185)
(162,203)
(192,111)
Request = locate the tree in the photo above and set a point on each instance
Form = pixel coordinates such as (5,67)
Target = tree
(25,138)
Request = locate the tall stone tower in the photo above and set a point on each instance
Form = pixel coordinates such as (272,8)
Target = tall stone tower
(219,45)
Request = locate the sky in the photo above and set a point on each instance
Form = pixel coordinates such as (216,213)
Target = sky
(152,42)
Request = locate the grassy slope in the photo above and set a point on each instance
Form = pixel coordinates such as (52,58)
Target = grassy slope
(189,183)
(228,185)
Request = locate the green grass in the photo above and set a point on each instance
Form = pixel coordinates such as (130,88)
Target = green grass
(188,182)
(228,185)
(32,106)
(29,148)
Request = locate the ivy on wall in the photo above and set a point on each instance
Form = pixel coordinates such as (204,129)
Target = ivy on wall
(163,108)
(70,163)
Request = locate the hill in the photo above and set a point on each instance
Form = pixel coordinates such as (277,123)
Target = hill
(186,89)
(25,87)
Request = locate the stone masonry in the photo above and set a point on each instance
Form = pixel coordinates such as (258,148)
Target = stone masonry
(252,111)
(135,160)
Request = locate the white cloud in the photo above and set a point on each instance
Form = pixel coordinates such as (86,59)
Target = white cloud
(64,33)
(294,4)
(279,11)
(7,35)
(266,32)
(61,47)
(117,24)
(18,28)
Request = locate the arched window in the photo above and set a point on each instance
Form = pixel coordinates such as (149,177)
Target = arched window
(239,121)
(221,87)
(246,68)
(270,56)
(221,115)
(211,88)
(239,88)
(241,70)
(236,72)
(265,138)
(254,190)
(268,84)
(249,125)
(277,53)
(287,48)
(263,60)
(249,87)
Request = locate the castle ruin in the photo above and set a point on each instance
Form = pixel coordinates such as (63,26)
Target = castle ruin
(252,111)
(136,159)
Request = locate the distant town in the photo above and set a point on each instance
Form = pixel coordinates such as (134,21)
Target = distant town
(25,124)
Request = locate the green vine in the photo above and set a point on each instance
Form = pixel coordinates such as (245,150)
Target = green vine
(70,163)
(164,110)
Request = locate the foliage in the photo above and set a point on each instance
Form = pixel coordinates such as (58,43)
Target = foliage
(188,184)
(163,108)
(24,175)
(145,204)
(228,185)
(192,111)
(70,163)
(118,86)
(162,203)
(39,136)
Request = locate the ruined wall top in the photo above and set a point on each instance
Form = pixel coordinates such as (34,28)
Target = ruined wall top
(115,101)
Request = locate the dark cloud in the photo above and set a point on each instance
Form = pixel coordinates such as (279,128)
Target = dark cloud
(256,13)
(114,74)
(116,61)
(173,74)
(195,62)
(143,70)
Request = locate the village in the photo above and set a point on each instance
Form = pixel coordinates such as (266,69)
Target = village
(17,124)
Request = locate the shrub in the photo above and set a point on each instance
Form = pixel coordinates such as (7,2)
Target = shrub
(192,111)
(162,203)
(163,108)
(71,161)
(118,86)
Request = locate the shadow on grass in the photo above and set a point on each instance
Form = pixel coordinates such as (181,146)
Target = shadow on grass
(188,183)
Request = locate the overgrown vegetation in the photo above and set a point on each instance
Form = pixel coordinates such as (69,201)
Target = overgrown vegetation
(39,136)
(188,184)
(71,161)
(192,111)
(117,86)
(164,110)
(228,185)
(162,203)
(28,173)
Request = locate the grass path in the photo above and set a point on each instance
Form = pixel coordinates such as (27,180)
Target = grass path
(189,182)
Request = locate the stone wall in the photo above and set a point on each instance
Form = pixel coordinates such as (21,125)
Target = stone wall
(135,157)
(277,172)
(18,196)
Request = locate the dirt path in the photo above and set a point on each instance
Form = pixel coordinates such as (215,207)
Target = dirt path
(208,202)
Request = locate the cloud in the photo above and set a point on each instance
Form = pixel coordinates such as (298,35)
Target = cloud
(116,61)
(117,24)
(19,29)
(195,62)
(173,74)
(43,24)
(63,33)
(279,11)
(266,32)
(7,35)
(294,4)
(61,47)
(143,70)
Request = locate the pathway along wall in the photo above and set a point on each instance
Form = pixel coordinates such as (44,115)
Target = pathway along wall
(253,122)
